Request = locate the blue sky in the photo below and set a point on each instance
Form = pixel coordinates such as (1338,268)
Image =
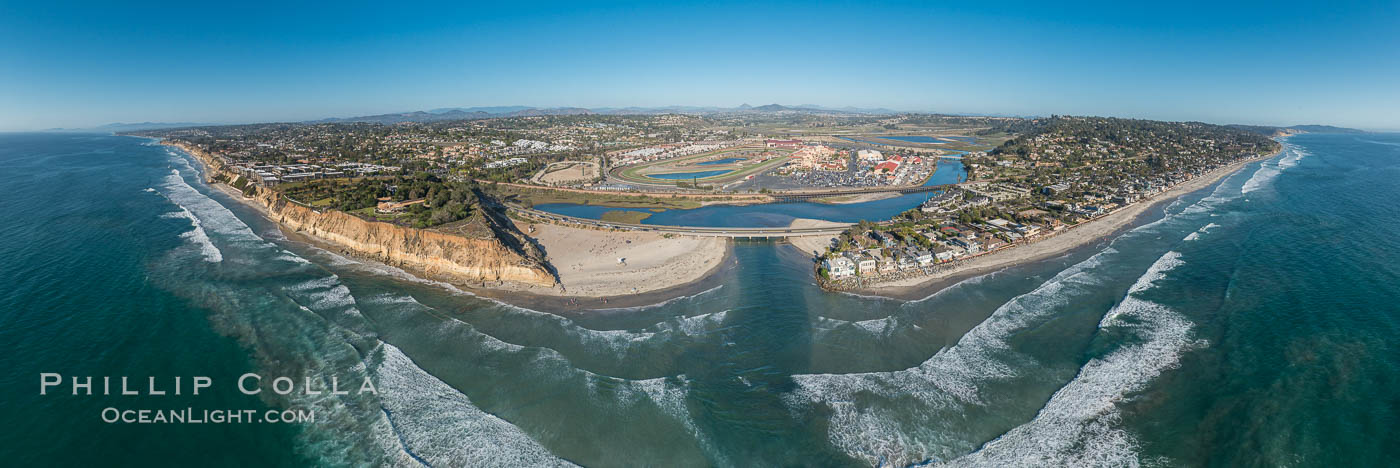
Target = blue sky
(83,64)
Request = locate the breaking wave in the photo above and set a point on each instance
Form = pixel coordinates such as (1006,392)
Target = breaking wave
(915,415)
(439,426)
(1079,425)
(197,236)
(1204,229)
(1268,171)
(864,426)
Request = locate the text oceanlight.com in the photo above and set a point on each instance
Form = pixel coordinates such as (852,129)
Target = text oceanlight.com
(206,416)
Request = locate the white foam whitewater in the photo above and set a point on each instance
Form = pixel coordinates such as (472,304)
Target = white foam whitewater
(439,426)
(1271,169)
(1079,425)
(871,413)
(943,383)
(197,236)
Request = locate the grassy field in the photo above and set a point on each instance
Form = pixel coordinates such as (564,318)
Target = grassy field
(637,173)
(624,216)
(369,213)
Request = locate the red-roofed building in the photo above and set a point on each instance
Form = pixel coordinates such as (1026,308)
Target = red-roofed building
(887,166)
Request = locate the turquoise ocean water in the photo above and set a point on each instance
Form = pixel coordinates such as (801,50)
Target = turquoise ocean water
(1252,323)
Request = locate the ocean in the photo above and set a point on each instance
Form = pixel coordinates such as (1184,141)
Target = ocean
(1252,323)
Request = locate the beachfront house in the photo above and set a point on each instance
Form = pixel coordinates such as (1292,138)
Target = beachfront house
(972,246)
(866,266)
(839,267)
(906,262)
(924,258)
(990,242)
(943,254)
(887,266)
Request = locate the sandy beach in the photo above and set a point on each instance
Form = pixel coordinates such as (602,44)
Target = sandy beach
(1051,245)
(587,260)
(858,198)
(813,245)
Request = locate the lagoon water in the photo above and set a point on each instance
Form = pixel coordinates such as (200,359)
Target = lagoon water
(949,171)
(689,175)
(1252,323)
(917,139)
(719,161)
(914,139)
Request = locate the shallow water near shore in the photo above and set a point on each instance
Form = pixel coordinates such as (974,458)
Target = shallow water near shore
(1253,322)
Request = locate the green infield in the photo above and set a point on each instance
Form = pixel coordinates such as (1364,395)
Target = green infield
(712,167)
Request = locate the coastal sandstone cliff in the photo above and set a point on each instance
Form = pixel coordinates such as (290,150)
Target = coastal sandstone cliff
(437,254)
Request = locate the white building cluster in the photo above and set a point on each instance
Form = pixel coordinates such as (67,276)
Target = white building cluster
(667,151)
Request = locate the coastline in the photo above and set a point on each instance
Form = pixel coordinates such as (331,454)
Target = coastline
(660,268)
(588,272)
(1054,245)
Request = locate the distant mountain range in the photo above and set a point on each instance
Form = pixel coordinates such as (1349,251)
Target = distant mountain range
(1325,129)
(467,113)
(489,112)
(1273,131)
(129,127)
(458,113)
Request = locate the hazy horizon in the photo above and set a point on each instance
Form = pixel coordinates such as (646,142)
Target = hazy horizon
(734,106)
(83,65)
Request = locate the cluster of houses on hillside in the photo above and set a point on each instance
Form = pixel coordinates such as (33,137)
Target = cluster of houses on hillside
(504,163)
(879,254)
(665,151)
